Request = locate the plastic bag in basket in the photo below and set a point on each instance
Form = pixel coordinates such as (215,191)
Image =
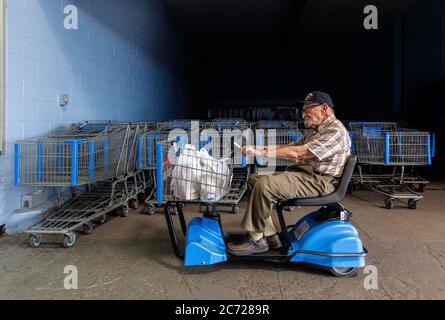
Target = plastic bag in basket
(198,176)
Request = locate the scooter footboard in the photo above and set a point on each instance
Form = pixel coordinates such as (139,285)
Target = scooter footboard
(205,243)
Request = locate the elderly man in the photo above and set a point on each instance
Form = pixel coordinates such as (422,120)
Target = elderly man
(321,156)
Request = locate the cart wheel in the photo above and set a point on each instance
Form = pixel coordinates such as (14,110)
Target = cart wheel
(235,208)
(412,204)
(209,208)
(343,272)
(87,228)
(34,240)
(389,203)
(134,204)
(421,188)
(102,219)
(123,211)
(69,239)
(150,209)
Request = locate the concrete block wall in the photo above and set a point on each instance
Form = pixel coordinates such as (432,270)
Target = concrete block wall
(125,62)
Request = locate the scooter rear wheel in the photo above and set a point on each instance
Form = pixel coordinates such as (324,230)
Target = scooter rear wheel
(343,272)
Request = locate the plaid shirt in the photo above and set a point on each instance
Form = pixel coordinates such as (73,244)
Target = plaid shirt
(330,144)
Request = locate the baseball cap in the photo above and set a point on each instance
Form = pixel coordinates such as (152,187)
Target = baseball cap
(319,98)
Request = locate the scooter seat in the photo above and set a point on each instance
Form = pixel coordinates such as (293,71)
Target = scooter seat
(332,198)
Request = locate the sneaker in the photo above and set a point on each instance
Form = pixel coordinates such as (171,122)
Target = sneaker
(247,246)
(274,242)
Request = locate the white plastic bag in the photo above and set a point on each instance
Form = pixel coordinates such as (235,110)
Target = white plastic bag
(199,176)
(216,177)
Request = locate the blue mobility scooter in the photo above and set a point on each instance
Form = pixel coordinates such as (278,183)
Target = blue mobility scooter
(324,238)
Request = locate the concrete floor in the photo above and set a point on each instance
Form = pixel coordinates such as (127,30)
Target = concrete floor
(131,258)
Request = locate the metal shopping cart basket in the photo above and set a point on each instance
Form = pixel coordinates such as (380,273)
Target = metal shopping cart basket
(223,138)
(183,181)
(276,132)
(98,183)
(82,154)
(384,145)
(179,131)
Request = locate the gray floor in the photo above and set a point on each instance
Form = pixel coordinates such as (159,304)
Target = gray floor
(131,258)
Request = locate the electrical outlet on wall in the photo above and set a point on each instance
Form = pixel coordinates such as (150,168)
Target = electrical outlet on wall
(64,100)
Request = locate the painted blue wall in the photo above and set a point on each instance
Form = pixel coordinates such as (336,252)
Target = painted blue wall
(126,62)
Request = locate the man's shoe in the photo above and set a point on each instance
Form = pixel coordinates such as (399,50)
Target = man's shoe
(247,246)
(274,242)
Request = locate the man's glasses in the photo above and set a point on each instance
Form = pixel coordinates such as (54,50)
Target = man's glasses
(309,108)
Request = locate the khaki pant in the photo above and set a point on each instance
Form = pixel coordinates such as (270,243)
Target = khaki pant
(266,191)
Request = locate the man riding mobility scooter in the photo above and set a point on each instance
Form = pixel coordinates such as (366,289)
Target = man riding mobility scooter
(324,238)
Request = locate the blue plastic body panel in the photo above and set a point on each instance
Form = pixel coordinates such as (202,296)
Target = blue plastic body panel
(205,243)
(39,161)
(139,151)
(328,237)
(74,160)
(59,158)
(294,136)
(159,172)
(430,161)
(433,147)
(91,159)
(94,126)
(16,165)
(106,143)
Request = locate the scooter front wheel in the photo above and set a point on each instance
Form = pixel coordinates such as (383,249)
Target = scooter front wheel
(343,272)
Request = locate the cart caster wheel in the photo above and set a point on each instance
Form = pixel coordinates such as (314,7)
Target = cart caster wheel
(87,228)
(389,204)
(421,188)
(343,272)
(235,209)
(35,240)
(123,211)
(412,204)
(69,239)
(209,208)
(102,219)
(151,209)
(134,204)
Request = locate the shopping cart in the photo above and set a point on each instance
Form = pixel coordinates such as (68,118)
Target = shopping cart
(179,131)
(94,159)
(276,132)
(82,154)
(134,181)
(223,139)
(379,146)
(91,205)
(183,180)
